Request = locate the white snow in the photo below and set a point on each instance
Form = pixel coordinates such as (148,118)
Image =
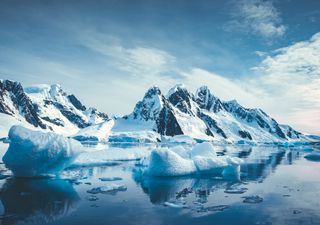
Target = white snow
(7,121)
(36,153)
(95,133)
(164,162)
(180,161)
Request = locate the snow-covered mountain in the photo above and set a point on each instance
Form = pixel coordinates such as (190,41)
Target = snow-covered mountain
(179,114)
(204,116)
(47,107)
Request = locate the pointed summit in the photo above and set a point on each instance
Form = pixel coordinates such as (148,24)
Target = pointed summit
(182,99)
(149,107)
(207,101)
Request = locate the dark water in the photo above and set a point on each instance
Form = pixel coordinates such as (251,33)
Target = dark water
(276,186)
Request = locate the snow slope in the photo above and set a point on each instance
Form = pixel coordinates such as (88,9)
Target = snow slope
(95,133)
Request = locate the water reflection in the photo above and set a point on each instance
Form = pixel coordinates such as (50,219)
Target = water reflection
(258,164)
(37,201)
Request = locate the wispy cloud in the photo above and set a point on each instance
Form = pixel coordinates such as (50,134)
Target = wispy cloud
(135,60)
(290,76)
(259,17)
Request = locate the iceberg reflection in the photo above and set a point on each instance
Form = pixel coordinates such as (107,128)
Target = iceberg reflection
(37,200)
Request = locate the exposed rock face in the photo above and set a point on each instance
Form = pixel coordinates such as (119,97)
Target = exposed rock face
(180,98)
(167,123)
(181,112)
(14,100)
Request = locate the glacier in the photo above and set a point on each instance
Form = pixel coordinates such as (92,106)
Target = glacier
(36,153)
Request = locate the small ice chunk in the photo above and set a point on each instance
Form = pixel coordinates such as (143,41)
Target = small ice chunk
(313,156)
(175,205)
(217,208)
(108,189)
(36,153)
(253,199)
(92,198)
(235,189)
(110,178)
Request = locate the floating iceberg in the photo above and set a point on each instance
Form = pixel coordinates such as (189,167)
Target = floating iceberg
(181,161)
(95,133)
(36,153)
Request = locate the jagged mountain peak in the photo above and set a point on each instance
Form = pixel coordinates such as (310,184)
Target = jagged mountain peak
(150,106)
(152,91)
(176,88)
(206,100)
(182,99)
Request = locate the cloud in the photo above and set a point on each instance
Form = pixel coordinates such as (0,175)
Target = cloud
(259,17)
(135,60)
(290,78)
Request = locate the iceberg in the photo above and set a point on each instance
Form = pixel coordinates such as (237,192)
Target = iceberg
(36,153)
(164,162)
(95,133)
(201,159)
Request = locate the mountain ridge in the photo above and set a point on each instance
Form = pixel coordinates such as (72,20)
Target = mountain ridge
(200,115)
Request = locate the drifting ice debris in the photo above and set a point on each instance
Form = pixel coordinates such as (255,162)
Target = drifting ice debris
(109,189)
(110,178)
(176,204)
(216,208)
(202,159)
(36,153)
(235,190)
(92,198)
(313,156)
(252,199)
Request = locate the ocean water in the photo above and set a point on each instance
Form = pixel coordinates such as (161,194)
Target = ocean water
(277,185)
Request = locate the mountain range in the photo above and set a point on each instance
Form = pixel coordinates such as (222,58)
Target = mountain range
(157,117)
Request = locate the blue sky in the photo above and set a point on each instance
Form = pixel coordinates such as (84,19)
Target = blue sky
(263,53)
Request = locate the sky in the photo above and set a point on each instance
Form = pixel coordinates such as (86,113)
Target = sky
(263,53)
